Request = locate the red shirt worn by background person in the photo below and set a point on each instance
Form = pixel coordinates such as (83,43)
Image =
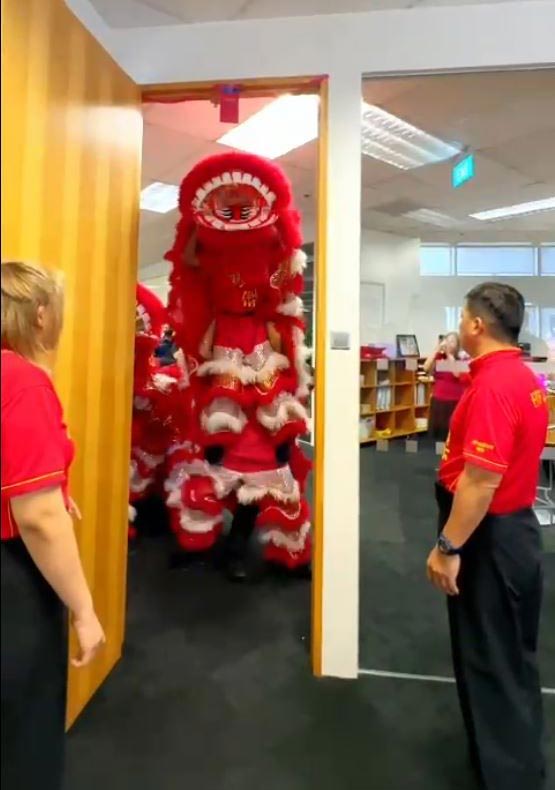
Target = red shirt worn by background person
(36,450)
(500,425)
(447,386)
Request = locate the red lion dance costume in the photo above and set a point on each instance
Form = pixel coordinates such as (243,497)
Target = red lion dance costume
(157,395)
(235,306)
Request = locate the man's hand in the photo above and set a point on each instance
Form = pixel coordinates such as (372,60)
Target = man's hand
(443,571)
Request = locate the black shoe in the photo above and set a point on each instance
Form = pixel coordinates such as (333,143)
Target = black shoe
(179,560)
(301,572)
(236,570)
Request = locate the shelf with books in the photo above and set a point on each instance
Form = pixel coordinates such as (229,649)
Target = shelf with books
(394,402)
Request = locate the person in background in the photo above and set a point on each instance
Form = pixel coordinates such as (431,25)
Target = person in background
(448,387)
(166,351)
(488,558)
(41,569)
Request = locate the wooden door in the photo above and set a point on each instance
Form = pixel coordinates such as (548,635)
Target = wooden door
(71,152)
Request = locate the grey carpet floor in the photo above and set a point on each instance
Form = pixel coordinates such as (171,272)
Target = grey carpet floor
(403,621)
(214,691)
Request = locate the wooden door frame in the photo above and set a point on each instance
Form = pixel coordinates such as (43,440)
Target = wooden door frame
(172,93)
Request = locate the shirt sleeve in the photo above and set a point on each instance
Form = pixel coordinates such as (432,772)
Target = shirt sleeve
(490,431)
(33,442)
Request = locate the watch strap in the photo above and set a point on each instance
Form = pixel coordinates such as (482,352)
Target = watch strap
(446,547)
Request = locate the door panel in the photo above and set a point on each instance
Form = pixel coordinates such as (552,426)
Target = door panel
(71,152)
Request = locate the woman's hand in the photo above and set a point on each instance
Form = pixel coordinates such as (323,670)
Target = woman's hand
(90,636)
(73,510)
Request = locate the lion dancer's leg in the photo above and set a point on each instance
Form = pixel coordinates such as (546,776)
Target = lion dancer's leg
(282,517)
(287,531)
(285,525)
(143,476)
(196,512)
(198,487)
(242,528)
(147,459)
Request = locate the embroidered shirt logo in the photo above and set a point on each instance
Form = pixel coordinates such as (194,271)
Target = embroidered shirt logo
(538,398)
(482,447)
(446,449)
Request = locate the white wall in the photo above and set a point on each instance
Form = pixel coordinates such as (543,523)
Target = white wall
(379,42)
(394,262)
(342,46)
(415,304)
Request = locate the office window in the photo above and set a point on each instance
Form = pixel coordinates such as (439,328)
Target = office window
(531,323)
(547,259)
(436,261)
(452,318)
(548,323)
(493,261)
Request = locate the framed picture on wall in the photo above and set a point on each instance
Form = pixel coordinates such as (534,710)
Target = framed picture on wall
(407,346)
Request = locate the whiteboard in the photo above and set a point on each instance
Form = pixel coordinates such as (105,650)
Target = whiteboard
(372,301)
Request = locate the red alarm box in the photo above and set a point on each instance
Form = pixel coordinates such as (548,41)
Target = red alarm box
(371,352)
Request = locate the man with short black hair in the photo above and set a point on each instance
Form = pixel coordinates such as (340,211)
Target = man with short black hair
(488,555)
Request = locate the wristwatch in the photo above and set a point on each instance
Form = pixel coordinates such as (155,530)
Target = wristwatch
(445,546)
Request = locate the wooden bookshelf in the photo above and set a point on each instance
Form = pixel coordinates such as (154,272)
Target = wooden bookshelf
(394,398)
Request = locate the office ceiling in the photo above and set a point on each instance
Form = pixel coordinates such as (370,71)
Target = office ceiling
(507,119)
(146,13)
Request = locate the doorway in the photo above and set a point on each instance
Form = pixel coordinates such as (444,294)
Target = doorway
(183,126)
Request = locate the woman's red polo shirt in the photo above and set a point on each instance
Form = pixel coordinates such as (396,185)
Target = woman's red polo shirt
(447,386)
(500,424)
(36,450)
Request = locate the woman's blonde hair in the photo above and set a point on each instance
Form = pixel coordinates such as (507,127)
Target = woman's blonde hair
(457,338)
(26,288)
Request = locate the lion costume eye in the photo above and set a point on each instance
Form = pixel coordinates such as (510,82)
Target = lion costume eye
(224,213)
(242,202)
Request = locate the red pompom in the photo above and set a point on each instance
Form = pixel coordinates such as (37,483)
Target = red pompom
(153,307)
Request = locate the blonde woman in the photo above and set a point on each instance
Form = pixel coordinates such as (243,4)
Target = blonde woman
(448,388)
(41,569)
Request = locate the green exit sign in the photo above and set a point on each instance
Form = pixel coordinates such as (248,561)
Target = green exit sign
(463,171)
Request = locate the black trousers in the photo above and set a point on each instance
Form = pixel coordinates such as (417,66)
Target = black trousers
(242,527)
(34,675)
(494,624)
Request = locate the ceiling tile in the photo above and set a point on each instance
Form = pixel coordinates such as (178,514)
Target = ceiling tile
(260,9)
(132,13)
(305,157)
(532,154)
(151,13)
(164,151)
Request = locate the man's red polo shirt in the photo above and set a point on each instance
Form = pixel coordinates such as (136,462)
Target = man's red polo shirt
(500,425)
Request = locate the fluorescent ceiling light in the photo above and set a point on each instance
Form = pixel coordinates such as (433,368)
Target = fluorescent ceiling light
(398,143)
(291,121)
(534,206)
(279,127)
(432,218)
(159,197)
